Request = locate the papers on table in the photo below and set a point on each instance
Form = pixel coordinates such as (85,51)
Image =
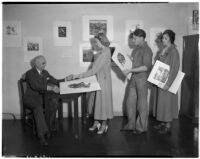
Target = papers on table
(80,85)
(122,60)
(159,76)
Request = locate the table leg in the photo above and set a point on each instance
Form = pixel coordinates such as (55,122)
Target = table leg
(76,117)
(83,107)
(60,113)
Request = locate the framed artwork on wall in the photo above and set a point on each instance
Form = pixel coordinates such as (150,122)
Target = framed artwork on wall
(32,48)
(62,33)
(130,26)
(92,24)
(195,20)
(86,55)
(154,32)
(12,34)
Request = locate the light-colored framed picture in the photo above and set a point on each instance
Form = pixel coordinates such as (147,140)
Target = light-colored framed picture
(131,25)
(32,47)
(154,32)
(159,76)
(195,19)
(12,34)
(92,24)
(62,33)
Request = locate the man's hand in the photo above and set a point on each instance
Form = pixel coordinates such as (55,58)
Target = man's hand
(56,89)
(53,88)
(126,72)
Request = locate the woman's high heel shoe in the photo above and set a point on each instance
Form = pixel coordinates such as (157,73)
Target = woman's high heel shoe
(95,126)
(103,129)
(165,131)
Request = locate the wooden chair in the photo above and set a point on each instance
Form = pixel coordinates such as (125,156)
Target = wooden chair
(27,113)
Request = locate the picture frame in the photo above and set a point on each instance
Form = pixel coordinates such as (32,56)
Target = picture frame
(121,59)
(62,33)
(153,35)
(87,84)
(92,24)
(159,76)
(32,47)
(85,55)
(130,26)
(12,34)
(195,19)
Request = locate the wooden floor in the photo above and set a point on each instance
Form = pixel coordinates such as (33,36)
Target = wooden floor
(181,143)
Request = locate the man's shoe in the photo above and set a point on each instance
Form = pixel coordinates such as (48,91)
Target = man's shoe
(43,141)
(165,131)
(159,126)
(126,128)
(137,132)
(47,135)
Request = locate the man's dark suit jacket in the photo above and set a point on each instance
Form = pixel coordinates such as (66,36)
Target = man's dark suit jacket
(36,83)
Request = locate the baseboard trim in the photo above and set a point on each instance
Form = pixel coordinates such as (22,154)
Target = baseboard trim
(12,116)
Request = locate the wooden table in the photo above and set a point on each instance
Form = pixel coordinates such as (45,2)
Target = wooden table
(67,98)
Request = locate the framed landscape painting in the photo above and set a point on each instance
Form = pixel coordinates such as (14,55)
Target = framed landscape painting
(92,24)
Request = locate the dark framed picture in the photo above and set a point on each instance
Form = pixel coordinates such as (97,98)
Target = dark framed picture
(31,46)
(88,55)
(62,31)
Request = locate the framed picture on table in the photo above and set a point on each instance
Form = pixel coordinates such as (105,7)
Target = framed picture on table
(92,24)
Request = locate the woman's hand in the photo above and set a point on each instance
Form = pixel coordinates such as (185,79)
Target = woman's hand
(69,78)
(165,88)
(56,89)
(126,72)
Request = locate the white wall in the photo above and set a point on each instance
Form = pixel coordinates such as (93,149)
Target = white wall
(38,19)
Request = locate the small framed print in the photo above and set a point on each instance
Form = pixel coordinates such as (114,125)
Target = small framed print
(92,24)
(12,34)
(154,32)
(62,33)
(130,26)
(195,20)
(86,55)
(32,47)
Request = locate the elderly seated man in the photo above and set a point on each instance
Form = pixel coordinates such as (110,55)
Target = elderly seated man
(39,80)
